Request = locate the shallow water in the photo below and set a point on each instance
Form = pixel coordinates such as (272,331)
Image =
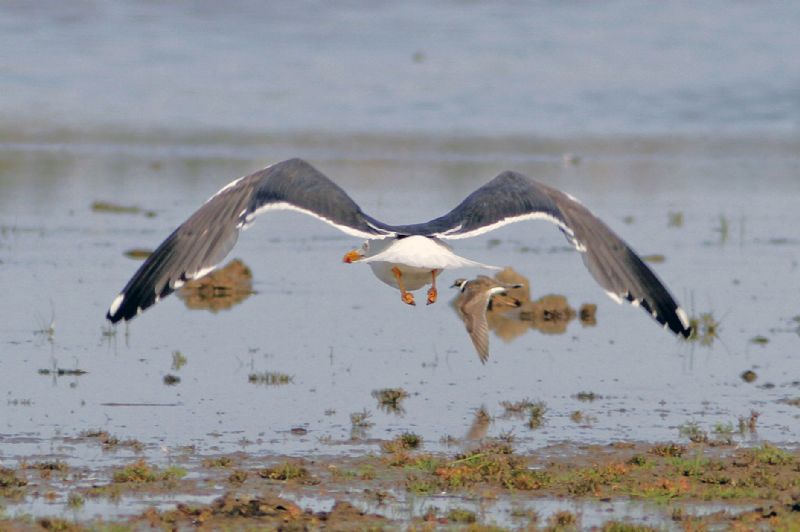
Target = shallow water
(650,114)
(340,334)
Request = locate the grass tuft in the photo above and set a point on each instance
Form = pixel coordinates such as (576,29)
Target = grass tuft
(285,471)
(405,442)
(390,399)
(140,472)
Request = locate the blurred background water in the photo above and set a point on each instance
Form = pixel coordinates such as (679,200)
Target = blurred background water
(467,67)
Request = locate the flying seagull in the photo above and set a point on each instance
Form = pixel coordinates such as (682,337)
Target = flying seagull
(476,296)
(406,257)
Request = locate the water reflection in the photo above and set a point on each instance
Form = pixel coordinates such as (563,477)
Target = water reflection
(513,314)
(480,425)
(219,290)
(390,400)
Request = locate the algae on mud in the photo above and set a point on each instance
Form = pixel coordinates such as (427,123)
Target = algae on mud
(760,487)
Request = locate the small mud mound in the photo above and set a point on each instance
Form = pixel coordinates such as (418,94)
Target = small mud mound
(219,290)
(232,511)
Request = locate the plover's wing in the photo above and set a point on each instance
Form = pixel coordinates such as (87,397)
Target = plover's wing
(200,243)
(472,309)
(512,197)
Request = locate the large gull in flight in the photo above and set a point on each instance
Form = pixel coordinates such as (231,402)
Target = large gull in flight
(407,257)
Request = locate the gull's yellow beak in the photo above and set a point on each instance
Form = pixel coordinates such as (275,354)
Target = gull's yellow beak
(352,256)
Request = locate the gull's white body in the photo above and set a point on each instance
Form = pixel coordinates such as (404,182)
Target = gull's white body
(416,257)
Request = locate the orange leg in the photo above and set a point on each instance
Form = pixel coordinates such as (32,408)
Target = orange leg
(432,292)
(406,297)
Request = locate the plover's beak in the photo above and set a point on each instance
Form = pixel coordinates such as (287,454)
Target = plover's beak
(352,256)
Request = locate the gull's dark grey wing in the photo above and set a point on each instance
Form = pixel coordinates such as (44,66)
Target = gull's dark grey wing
(201,242)
(512,197)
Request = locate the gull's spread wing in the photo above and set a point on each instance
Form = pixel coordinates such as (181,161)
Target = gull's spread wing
(200,243)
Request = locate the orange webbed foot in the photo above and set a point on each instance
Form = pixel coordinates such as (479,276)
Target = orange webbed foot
(432,295)
(408,298)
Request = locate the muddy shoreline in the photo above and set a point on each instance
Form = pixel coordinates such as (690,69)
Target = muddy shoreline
(486,485)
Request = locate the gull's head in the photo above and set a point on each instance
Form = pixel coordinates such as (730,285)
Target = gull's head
(459,283)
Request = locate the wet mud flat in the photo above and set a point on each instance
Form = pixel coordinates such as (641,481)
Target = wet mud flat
(484,485)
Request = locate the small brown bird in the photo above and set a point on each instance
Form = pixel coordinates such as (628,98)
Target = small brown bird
(475,299)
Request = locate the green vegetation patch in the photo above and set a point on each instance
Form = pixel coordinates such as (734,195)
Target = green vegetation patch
(140,472)
(285,471)
(405,442)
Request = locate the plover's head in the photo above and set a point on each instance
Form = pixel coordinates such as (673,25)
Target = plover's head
(459,283)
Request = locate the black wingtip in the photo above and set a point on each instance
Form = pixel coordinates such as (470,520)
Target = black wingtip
(116,318)
(115,311)
(667,313)
(679,323)
(123,308)
(136,298)
(683,332)
(686,332)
